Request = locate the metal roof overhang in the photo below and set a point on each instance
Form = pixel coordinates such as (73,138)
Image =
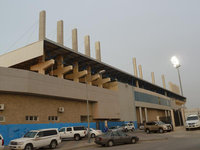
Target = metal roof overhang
(53,49)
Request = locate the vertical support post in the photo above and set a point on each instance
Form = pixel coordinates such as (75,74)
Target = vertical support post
(166,113)
(98,50)
(60,32)
(87,45)
(183,115)
(141,119)
(140,71)
(135,70)
(42,25)
(163,81)
(146,114)
(135,67)
(88,113)
(153,77)
(172,118)
(74,40)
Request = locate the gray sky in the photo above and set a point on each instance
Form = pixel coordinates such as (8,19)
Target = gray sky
(150,30)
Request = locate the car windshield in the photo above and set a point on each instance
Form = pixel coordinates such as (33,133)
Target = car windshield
(30,134)
(160,122)
(192,118)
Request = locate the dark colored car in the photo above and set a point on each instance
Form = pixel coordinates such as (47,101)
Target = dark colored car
(115,138)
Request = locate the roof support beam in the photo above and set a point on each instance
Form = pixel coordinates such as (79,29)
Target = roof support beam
(61,70)
(101,81)
(42,66)
(76,74)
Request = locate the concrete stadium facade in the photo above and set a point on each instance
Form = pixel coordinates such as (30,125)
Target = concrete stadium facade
(46,82)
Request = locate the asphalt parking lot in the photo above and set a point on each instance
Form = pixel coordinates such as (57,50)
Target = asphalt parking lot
(176,140)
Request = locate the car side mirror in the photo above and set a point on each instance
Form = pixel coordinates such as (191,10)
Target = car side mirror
(37,136)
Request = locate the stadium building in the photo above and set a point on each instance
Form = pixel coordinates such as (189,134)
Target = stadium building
(47,82)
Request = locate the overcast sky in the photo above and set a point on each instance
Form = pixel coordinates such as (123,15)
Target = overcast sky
(150,30)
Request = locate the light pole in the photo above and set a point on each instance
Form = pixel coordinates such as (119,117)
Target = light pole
(175,62)
(88,112)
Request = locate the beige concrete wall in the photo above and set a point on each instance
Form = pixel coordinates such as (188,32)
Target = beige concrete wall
(17,106)
(23,54)
(22,81)
(126,102)
(153,113)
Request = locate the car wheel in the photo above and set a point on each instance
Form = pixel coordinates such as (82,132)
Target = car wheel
(53,144)
(28,147)
(147,131)
(92,135)
(133,141)
(161,130)
(77,137)
(110,143)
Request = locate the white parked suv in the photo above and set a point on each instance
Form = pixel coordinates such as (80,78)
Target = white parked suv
(73,132)
(193,121)
(1,142)
(35,139)
(128,127)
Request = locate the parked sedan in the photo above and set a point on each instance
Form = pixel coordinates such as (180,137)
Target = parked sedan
(114,138)
(94,133)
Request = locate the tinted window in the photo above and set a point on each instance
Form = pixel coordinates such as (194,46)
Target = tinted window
(121,133)
(62,130)
(115,134)
(41,134)
(79,128)
(30,134)
(50,132)
(149,123)
(69,129)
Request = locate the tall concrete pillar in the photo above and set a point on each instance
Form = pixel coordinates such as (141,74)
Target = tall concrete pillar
(153,77)
(87,45)
(98,50)
(172,118)
(135,70)
(74,40)
(166,113)
(42,25)
(163,81)
(183,115)
(140,111)
(60,32)
(140,71)
(135,67)
(146,114)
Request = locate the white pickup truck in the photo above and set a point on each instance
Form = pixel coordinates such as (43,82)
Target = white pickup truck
(73,132)
(193,121)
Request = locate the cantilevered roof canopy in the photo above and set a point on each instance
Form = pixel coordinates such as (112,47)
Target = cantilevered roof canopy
(53,49)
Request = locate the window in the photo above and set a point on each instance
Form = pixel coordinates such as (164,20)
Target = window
(41,134)
(79,128)
(53,118)
(62,130)
(50,132)
(32,118)
(2,118)
(69,129)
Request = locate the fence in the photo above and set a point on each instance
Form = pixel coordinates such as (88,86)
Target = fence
(13,131)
